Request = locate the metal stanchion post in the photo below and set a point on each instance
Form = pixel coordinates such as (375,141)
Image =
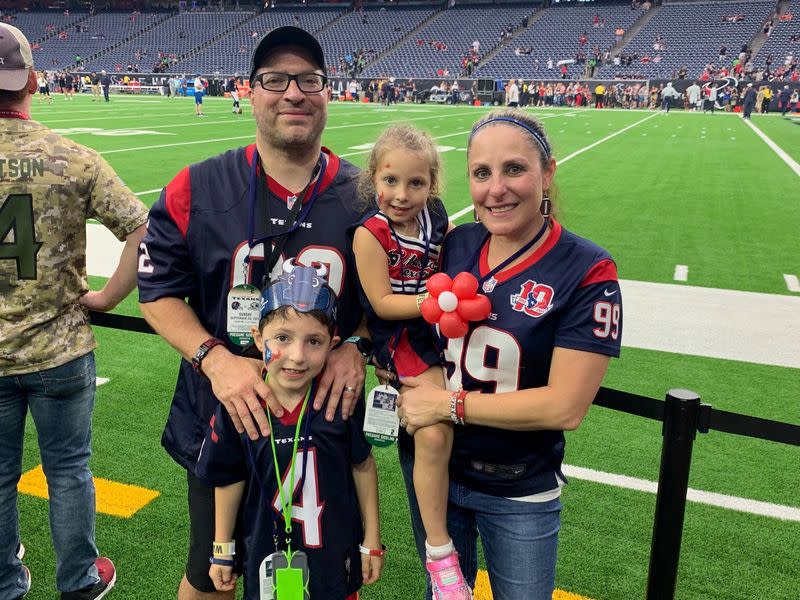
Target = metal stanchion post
(680,427)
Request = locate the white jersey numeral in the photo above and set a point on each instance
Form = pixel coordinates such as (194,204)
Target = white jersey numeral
(307,509)
(145,264)
(606,315)
(471,355)
(326,255)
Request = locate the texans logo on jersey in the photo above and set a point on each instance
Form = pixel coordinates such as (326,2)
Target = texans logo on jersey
(534,299)
(394,258)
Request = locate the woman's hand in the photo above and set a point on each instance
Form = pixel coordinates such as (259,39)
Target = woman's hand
(422,404)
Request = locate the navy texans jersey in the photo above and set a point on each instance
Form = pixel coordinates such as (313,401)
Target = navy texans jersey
(326,519)
(196,247)
(566,295)
(417,350)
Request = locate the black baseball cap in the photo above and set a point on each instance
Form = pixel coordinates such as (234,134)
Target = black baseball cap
(287,36)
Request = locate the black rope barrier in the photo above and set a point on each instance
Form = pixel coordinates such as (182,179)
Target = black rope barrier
(682,415)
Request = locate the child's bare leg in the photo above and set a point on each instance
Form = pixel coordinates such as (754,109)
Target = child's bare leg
(432,455)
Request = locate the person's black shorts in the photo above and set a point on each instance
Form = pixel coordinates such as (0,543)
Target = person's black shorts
(201,534)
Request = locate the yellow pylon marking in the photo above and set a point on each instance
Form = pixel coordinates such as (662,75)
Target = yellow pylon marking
(484,592)
(113,498)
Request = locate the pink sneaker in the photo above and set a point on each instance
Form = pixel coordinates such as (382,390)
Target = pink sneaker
(108,577)
(447,580)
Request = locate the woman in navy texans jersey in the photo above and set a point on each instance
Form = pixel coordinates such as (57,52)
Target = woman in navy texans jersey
(528,372)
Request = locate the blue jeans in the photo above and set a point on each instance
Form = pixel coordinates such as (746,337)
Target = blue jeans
(61,400)
(520,539)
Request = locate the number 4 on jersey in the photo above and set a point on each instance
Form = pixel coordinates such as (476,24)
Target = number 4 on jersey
(16,214)
(307,509)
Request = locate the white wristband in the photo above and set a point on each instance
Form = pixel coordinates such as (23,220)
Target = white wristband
(224,548)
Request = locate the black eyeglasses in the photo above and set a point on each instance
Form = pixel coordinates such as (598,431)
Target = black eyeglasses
(308,83)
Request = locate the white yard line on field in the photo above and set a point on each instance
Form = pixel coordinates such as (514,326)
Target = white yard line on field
(658,316)
(252,135)
(681,273)
(755,507)
(777,149)
(347,154)
(561,161)
(792,283)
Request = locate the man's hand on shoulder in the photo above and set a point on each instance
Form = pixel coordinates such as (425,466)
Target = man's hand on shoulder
(237,383)
(343,377)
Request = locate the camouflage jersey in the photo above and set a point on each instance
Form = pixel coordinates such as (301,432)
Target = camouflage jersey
(49,186)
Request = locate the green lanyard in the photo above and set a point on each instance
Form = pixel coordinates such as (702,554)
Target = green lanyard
(286,506)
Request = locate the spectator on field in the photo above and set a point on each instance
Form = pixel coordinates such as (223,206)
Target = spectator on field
(784,99)
(285,162)
(47,361)
(749,102)
(296,329)
(548,358)
(668,95)
(105,82)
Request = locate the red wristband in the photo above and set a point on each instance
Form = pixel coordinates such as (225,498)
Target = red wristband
(371,551)
(199,356)
(460,414)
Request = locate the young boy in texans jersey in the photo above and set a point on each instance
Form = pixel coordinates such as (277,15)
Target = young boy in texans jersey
(332,500)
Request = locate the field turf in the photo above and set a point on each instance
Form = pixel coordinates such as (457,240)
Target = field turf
(687,189)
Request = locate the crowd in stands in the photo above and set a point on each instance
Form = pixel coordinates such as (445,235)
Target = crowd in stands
(734,18)
(588,55)
(352,63)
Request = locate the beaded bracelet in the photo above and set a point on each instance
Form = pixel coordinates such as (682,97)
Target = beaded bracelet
(457,411)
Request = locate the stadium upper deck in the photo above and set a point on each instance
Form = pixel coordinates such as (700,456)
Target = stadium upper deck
(432,41)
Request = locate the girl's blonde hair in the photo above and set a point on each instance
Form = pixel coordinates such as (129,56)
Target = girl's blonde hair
(400,136)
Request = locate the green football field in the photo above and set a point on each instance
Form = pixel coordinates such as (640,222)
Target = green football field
(658,191)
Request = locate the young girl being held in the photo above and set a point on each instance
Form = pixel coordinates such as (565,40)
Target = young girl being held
(397,249)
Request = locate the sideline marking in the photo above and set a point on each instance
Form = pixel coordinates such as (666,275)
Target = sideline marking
(687,319)
(792,282)
(153,191)
(467,209)
(367,146)
(115,499)
(101,380)
(483,590)
(665,317)
(755,507)
(777,149)
(681,273)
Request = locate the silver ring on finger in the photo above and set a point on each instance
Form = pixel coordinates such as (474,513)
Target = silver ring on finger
(349,388)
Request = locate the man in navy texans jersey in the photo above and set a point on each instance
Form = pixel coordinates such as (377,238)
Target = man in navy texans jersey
(518,379)
(219,232)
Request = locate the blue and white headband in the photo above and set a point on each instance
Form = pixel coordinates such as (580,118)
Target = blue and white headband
(536,135)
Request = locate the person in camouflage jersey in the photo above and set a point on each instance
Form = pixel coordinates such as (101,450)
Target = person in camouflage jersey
(49,186)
